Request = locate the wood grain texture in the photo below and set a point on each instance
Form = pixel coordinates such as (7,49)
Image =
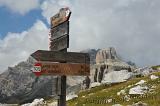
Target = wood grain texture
(49,68)
(60,17)
(59,31)
(57,56)
(60,43)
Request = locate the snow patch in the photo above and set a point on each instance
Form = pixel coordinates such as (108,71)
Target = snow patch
(117,76)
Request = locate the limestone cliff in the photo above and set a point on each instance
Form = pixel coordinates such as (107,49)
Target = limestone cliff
(106,61)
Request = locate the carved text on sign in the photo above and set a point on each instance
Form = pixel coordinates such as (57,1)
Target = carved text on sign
(49,68)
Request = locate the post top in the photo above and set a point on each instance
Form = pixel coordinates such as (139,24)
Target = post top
(62,16)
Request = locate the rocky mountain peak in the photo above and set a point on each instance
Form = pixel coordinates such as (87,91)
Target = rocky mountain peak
(104,55)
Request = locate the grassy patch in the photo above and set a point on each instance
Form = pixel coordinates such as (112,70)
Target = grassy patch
(106,95)
(156,67)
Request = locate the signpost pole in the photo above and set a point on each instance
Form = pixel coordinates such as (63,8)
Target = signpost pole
(63,91)
(63,80)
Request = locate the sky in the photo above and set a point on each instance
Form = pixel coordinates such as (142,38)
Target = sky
(131,26)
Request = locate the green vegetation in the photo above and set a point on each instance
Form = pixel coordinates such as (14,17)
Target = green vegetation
(156,67)
(106,95)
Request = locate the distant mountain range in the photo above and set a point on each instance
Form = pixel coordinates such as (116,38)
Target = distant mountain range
(19,85)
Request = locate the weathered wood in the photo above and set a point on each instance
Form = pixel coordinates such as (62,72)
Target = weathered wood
(60,17)
(57,56)
(57,32)
(60,43)
(63,91)
(60,30)
(49,68)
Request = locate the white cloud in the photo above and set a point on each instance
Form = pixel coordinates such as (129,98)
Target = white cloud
(20,6)
(131,26)
(17,47)
(51,7)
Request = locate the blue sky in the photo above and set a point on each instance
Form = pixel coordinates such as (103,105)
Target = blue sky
(15,22)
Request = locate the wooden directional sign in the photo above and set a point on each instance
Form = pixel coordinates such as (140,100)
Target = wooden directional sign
(60,30)
(60,17)
(49,68)
(57,56)
(60,43)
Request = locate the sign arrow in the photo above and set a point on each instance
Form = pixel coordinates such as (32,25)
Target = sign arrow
(57,56)
(49,68)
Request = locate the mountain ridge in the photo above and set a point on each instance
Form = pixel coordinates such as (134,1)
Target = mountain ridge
(18,84)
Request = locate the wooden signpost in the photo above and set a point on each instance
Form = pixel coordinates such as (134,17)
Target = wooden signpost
(58,56)
(77,63)
(49,68)
(61,30)
(60,43)
(58,61)
(61,17)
